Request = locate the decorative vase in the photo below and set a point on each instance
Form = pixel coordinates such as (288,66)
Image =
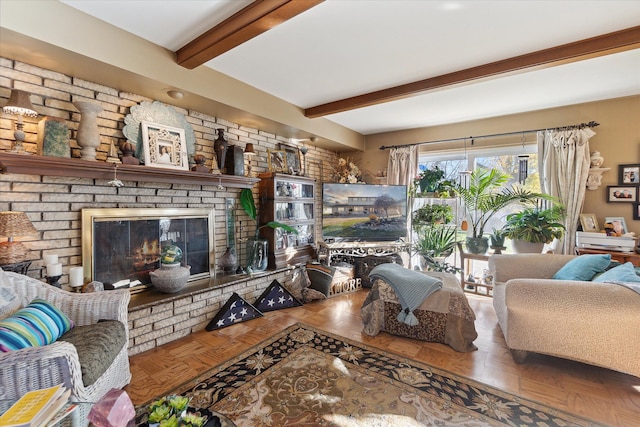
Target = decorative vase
(596,159)
(257,251)
(228,262)
(88,135)
(170,278)
(220,146)
(477,245)
(128,150)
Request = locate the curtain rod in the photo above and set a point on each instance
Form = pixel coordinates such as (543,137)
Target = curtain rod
(591,124)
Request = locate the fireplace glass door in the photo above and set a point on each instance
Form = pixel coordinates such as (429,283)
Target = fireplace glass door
(126,248)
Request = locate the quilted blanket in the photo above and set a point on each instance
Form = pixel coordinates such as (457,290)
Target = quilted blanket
(444,317)
(411,287)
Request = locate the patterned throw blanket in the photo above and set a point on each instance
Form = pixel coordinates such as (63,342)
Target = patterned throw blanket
(411,287)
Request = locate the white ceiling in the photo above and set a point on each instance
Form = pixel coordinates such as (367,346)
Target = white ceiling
(343,48)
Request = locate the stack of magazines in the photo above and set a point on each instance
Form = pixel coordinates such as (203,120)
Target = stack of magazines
(39,408)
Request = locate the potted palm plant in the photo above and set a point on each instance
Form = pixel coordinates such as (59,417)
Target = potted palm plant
(484,197)
(531,228)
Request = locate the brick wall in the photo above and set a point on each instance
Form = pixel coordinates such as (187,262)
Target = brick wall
(153,325)
(54,203)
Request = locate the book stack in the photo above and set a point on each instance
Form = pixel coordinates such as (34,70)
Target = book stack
(37,408)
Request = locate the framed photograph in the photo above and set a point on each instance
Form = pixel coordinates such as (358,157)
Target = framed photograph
(636,211)
(622,193)
(277,161)
(629,174)
(589,223)
(294,163)
(164,146)
(619,226)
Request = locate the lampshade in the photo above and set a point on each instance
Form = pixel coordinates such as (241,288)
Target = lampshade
(19,104)
(248,149)
(14,224)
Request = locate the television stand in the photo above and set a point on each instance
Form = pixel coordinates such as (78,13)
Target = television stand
(355,250)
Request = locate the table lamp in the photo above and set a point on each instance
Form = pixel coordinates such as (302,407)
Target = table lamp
(19,105)
(14,224)
(249,152)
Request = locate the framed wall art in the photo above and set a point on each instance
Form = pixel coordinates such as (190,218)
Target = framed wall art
(164,146)
(622,193)
(629,174)
(589,223)
(294,163)
(277,161)
(636,211)
(618,224)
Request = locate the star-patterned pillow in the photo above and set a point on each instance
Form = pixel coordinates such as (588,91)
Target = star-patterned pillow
(276,297)
(235,310)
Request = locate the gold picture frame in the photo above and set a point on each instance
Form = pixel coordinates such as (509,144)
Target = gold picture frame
(277,161)
(294,160)
(589,223)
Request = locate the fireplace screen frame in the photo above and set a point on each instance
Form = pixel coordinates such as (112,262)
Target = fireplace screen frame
(95,215)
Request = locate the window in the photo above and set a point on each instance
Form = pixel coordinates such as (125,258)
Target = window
(503,158)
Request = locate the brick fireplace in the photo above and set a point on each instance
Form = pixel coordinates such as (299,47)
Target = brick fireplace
(54,200)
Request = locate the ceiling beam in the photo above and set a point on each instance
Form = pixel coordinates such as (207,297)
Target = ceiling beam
(253,20)
(584,49)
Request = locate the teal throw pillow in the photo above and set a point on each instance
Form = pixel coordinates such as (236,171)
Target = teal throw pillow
(38,324)
(583,267)
(623,273)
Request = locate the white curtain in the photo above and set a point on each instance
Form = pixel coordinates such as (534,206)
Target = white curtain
(401,170)
(402,166)
(564,167)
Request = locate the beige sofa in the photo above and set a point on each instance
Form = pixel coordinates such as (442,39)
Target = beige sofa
(595,323)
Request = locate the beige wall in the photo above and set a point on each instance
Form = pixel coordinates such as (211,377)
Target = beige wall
(617,138)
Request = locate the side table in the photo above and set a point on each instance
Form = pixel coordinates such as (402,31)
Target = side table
(466,261)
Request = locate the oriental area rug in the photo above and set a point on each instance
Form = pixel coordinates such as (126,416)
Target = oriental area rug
(303,376)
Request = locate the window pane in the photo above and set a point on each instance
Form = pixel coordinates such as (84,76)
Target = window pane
(505,159)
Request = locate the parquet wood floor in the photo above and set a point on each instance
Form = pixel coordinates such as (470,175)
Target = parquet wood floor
(609,397)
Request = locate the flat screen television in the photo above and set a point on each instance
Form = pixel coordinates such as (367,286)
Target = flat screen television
(364,212)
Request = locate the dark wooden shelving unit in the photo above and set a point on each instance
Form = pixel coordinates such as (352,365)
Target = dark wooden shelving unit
(71,167)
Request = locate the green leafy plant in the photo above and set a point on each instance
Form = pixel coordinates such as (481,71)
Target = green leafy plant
(434,243)
(485,196)
(535,225)
(249,206)
(431,181)
(171,411)
(497,237)
(435,240)
(432,214)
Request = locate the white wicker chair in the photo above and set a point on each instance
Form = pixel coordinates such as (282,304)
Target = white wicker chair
(34,368)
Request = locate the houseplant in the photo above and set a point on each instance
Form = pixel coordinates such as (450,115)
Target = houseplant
(257,247)
(430,181)
(435,242)
(172,411)
(497,239)
(484,197)
(532,227)
(432,214)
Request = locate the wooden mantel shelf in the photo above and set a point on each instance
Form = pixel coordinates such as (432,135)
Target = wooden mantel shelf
(59,166)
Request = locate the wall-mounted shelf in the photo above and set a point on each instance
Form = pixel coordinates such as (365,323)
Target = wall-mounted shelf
(59,166)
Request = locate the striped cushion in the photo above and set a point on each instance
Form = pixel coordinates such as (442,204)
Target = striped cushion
(320,277)
(38,324)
